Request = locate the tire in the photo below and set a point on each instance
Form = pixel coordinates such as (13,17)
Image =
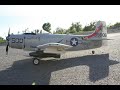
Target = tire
(93,52)
(36,61)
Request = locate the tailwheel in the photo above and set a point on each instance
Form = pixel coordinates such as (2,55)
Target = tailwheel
(93,52)
(36,61)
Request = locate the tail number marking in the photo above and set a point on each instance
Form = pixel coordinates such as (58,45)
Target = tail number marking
(102,35)
(17,40)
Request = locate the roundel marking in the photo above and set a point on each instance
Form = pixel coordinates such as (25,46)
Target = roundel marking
(74,41)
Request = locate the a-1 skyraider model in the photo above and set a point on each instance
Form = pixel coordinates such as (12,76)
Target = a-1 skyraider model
(53,45)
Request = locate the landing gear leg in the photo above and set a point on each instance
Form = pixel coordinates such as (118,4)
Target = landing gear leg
(36,61)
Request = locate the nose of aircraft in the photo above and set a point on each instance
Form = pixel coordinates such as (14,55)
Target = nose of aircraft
(7,38)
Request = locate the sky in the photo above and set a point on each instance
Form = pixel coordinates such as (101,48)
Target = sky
(21,17)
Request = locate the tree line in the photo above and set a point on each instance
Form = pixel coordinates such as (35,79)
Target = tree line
(75,28)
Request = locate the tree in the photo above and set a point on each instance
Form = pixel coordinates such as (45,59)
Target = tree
(109,26)
(47,27)
(71,30)
(59,31)
(116,25)
(40,31)
(77,26)
(1,38)
(37,31)
(26,30)
(74,28)
(18,32)
(23,31)
(32,32)
(90,27)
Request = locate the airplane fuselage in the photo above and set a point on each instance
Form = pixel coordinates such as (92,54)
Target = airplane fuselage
(30,42)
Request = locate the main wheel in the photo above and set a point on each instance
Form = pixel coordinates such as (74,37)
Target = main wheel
(36,61)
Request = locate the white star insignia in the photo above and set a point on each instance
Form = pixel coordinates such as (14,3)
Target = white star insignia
(74,42)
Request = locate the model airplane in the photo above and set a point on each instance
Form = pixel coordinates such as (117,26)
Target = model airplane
(53,45)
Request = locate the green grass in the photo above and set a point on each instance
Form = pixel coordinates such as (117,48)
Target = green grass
(2,41)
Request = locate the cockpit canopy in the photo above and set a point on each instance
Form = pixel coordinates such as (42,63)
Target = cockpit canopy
(29,33)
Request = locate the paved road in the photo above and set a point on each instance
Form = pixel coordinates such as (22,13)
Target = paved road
(79,67)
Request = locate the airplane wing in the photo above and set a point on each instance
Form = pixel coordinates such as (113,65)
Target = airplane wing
(98,39)
(56,48)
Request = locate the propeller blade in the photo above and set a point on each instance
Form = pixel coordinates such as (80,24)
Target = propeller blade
(7,39)
(7,49)
(9,32)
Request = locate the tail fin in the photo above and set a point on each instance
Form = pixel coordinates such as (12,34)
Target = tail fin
(100,32)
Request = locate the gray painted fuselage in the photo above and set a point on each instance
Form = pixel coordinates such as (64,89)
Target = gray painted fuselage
(30,42)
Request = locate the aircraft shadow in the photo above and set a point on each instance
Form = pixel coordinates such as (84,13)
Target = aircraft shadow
(23,72)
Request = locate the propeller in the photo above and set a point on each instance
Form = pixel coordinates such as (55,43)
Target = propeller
(7,39)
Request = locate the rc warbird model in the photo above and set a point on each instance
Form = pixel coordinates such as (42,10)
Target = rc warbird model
(53,45)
